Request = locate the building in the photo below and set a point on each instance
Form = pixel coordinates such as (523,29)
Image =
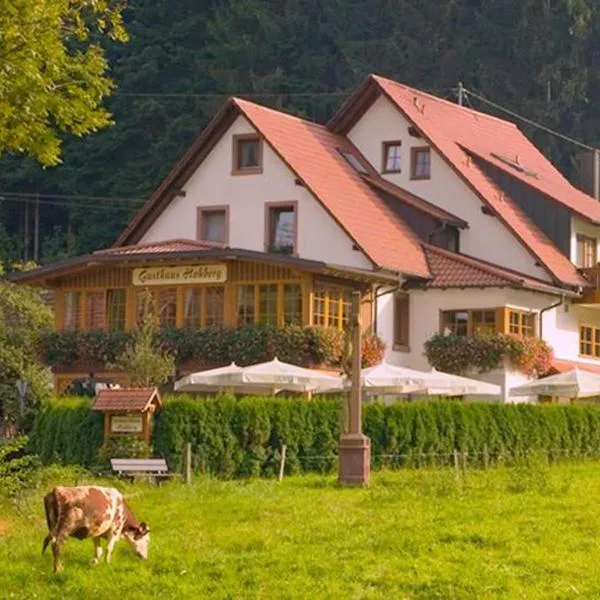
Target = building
(446,218)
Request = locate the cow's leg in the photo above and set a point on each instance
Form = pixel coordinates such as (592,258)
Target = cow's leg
(57,542)
(97,550)
(112,538)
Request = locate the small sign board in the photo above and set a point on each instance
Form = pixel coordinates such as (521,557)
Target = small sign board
(126,424)
(190,274)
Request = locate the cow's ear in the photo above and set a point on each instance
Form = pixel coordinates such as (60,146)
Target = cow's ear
(143,529)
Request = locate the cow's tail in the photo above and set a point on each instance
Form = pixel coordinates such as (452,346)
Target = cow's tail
(51,508)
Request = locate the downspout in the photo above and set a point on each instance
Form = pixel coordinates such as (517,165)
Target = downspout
(555,305)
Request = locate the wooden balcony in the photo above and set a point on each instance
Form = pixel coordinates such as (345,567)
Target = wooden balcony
(591,295)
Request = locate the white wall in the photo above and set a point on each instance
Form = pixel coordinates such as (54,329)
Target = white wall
(319,235)
(585,228)
(487,238)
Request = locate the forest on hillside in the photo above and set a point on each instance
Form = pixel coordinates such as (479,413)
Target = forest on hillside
(185,57)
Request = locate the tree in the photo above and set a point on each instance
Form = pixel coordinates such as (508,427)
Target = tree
(53,72)
(144,362)
(23,317)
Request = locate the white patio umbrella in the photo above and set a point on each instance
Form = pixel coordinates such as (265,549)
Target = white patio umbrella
(446,384)
(387,379)
(268,377)
(203,380)
(571,384)
(285,376)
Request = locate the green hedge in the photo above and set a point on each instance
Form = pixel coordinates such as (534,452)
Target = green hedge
(67,431)
(233,438)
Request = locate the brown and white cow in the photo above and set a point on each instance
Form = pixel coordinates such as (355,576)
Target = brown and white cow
(92,511)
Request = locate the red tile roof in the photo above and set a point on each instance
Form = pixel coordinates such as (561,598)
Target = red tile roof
(125,399)
(453,270)
(561,366)
(455,131)
(168,246)
(311,152)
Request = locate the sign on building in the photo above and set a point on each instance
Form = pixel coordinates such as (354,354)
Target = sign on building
(129,424)
(180,275)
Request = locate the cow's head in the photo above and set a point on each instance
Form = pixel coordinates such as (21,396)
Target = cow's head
(139,539)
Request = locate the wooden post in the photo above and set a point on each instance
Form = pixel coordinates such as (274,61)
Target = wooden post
(282,462)
(188,463)
(486,457)
(456,467)
(355,448)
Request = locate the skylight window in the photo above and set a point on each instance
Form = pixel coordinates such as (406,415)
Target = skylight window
(515,164)
(353,161)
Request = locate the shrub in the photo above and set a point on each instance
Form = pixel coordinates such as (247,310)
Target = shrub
(459,354)
(17,466)
(211,346)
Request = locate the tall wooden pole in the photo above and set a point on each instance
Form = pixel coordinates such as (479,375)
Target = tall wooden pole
(355,448)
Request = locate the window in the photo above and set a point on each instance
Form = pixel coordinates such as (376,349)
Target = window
(586,251)
(245,305)
(589,341)
(94,310)
(353,161)
(401,322)
(469,322)
(392,157)
(331,306)
(247,154)
(267,304)
(281,228)
(116,309)
(292,304)
(420,163)
(213,224)
(214,307)
(161,302)
(166,305)
(203,307)
(521,323)
(72,319)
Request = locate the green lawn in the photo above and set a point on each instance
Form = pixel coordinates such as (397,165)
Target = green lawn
(503,533)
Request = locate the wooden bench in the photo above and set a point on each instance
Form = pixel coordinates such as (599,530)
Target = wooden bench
(152,468)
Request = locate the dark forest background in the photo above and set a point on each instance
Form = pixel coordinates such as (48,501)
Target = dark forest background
(539,58)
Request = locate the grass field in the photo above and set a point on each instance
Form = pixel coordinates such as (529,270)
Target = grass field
(502,533)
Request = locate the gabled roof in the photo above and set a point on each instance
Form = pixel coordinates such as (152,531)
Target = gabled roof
(455,132)
(454,270)
(126,399)
(311,151)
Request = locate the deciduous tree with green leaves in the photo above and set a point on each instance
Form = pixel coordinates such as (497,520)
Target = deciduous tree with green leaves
(53,72)
(23,317)
(144,362)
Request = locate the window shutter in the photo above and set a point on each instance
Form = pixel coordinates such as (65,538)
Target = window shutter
(401,320)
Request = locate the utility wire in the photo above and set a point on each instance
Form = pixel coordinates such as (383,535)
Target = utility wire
(34,196)
(67,204)
(210,95)
(528,121)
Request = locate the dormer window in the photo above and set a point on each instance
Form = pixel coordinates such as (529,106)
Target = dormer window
(247,154)
(586,251)
(392,157)
(420,162)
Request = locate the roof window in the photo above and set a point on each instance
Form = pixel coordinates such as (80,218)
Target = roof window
(353,161)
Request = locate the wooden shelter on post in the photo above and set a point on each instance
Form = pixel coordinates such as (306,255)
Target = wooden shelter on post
(128,411)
